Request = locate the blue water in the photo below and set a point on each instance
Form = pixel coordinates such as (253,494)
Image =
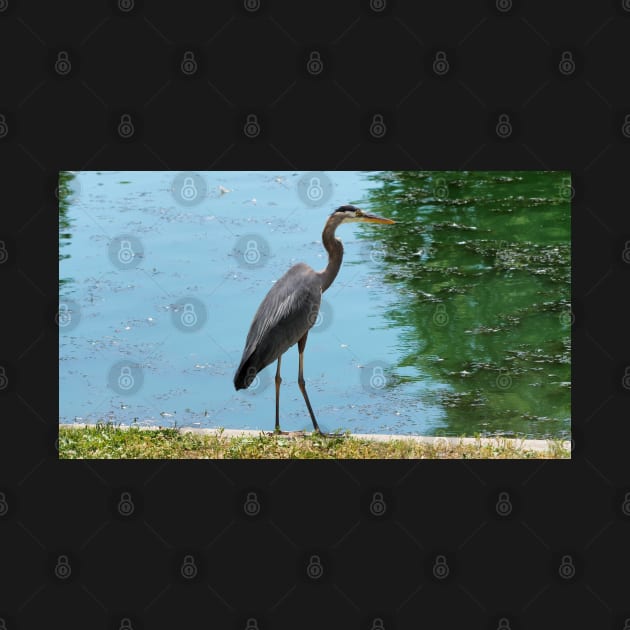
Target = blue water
(183,376)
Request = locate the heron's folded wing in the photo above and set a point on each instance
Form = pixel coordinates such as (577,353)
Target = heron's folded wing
(287,311)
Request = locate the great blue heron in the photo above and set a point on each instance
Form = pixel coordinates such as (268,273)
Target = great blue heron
(290,310)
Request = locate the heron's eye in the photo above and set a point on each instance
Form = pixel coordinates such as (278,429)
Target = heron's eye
(359,213)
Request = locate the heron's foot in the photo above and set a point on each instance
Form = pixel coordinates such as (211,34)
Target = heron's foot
(319,433)
(287,433)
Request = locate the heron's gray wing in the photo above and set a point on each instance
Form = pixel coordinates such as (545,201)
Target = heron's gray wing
(287,312)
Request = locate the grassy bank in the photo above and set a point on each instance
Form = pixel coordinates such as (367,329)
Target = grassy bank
(108,441)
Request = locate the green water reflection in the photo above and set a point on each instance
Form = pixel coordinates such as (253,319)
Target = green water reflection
(481,262)
(65,197)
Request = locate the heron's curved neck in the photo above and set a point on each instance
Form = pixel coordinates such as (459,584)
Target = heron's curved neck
(335,255)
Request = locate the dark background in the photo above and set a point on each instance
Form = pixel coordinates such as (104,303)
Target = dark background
(69,557)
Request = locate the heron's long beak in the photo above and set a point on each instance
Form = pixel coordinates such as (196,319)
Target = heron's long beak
(372,218)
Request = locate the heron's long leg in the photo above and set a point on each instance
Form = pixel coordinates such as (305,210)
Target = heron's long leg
(278,381)
(302,384)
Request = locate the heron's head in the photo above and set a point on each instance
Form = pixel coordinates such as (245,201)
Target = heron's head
(352,214)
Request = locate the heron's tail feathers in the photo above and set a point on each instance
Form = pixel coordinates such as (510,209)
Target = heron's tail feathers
(245,375)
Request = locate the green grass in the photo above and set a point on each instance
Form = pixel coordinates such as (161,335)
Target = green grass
(109,441)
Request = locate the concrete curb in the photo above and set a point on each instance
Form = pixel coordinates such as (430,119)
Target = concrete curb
(439,441)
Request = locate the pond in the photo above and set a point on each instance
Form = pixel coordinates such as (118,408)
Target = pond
(454,321)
